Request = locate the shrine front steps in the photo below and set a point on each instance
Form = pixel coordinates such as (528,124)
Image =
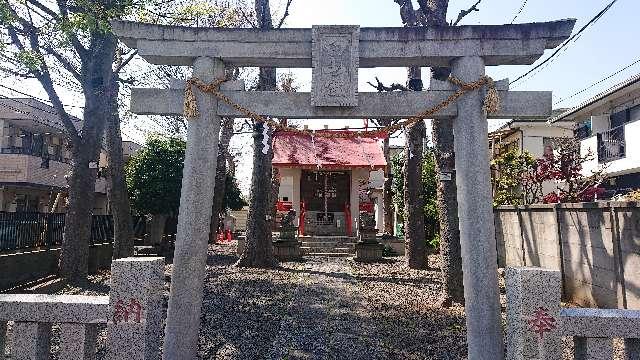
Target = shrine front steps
(335,246)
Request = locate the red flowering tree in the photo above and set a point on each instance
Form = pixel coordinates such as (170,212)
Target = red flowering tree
(564,165)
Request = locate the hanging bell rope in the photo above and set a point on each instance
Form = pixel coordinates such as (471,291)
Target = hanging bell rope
(491,105)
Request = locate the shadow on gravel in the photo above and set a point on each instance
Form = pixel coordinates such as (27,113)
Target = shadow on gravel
(293,313)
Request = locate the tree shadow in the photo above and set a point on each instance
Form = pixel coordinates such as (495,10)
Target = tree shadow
(307,314)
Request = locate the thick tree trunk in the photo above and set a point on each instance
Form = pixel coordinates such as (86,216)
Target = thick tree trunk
(415,242)
(99,93)
(74,257)
(226,132)
(258,250)
(118,195)
(451,265)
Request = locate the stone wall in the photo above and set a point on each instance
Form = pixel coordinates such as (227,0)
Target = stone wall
(596,246)
(22,267)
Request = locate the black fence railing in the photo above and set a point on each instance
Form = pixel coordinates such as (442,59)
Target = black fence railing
(22,230)
(611,145)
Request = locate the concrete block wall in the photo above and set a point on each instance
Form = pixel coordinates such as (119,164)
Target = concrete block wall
(596,246)
(22,267)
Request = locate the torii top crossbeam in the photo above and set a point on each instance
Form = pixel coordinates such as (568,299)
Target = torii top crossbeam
(335,53)
(520,44)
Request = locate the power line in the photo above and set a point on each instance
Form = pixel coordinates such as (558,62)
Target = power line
(597,82)
(572,38)
(524,3)
(46,102)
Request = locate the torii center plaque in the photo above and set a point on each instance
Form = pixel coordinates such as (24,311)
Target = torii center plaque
(335,57)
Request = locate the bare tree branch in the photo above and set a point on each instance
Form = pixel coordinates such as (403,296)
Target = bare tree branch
(247,18)
(464,13)
(44,77)
(381,87)
(44,8)
(66,63)
(126,61)
(285,15)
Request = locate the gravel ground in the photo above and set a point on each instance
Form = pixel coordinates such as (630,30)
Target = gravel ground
(322,308)
(326,308)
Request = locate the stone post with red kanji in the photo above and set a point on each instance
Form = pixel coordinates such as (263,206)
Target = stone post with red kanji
(533,310)
(134,325)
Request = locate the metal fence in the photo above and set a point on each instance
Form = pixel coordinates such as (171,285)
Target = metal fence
(21,230)
(611,145)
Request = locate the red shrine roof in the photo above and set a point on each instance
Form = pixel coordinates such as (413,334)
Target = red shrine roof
(302,151)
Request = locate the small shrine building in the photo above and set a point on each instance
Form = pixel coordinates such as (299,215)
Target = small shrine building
(329,180)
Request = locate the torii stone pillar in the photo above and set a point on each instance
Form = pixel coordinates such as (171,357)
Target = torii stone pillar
(190,256)
(477,234)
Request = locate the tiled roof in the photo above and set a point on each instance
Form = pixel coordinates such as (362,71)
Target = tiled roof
(303,151)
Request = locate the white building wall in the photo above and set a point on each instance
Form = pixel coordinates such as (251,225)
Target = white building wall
(290,187)
(534,136)
(629,164)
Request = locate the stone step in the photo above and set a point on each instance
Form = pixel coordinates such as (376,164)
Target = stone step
(341,248)
(328,244)
(327,249)
(328,239)
(329,254)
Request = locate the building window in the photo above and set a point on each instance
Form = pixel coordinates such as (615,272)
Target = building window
(619,118)
(634,113)
(583,130)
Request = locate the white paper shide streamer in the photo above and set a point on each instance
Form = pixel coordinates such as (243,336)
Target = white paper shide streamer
(265,139)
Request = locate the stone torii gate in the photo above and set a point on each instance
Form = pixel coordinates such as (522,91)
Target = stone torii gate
(335,53)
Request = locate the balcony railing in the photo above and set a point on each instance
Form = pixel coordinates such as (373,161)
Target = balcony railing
(611,145)
(29,151)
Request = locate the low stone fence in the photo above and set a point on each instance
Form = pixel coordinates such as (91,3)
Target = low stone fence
(595,246)
(536,323)
(18,268)
(132,313)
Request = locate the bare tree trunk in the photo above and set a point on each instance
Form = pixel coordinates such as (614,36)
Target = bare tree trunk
(74,257)
(442,132)
(434,13)
(118,196)
(273,195)
(450,252)
(226,132)
(387,192)
(415,242)
(258,250)
(98,90)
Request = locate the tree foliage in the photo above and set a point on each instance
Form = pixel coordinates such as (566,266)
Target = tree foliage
(429,193)
(233,196)
(154,176)
(510,175)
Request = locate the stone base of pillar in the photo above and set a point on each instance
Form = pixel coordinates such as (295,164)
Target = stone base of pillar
(368,252)
(287,250)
